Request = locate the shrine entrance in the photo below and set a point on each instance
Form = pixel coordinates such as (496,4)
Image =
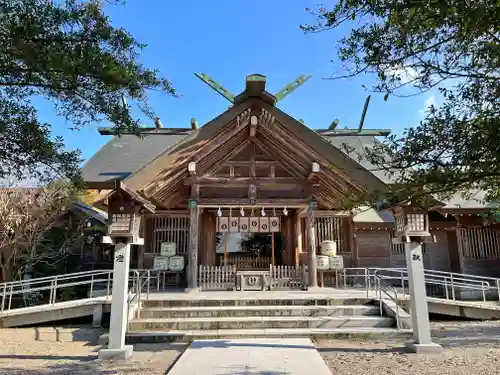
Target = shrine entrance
(251,243)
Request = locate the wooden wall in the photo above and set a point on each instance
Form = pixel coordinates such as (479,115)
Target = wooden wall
(373,248)
(479,251)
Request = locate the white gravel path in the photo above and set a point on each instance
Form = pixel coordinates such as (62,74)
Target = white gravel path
(21,354)
(469,348)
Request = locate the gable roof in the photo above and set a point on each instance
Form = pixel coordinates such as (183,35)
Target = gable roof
(356,146)
(181,150)
(125,154)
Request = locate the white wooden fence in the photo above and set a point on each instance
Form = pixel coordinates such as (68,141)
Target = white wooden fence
(217,277)
(287,277)
(224,277)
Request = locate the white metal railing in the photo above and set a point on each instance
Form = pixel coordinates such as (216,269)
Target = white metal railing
(448,285)
(389,282)
(87,284)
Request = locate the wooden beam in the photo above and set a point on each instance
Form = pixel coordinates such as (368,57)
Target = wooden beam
(232,202)
(102,185)
(244,181)
(209,159)
(252,160)
(199,156)
(232,154)
(246,163)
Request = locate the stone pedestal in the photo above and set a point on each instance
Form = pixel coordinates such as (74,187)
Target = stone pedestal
(418,300)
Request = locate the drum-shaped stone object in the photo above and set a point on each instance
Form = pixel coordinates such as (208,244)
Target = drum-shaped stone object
(176,263)
(323,262)
(336,262)
(328,248)
(168,249)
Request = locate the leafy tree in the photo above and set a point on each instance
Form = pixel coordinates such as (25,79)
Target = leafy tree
(69,53)
(415,46)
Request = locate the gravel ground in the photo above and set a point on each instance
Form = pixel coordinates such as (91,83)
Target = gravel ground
(469,348)
(21,354)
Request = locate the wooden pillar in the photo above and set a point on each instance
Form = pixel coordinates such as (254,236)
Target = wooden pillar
(351,236)
(453,251)
(311,249)
(194,222)
(288,248)
(209,241)
(194,214)
(298,231)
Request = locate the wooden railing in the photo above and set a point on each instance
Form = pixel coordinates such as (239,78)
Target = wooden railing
(217,277)
(245,263)
(287,277)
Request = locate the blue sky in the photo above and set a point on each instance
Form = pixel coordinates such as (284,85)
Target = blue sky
(229,40)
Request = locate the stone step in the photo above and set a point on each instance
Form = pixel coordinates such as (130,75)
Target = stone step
(253,301)
(243,311)
(149,336)
(257,322)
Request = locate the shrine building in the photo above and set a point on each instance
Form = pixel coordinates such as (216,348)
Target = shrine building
(255,188)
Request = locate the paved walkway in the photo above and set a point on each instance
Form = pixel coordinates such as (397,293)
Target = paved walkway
(251,357)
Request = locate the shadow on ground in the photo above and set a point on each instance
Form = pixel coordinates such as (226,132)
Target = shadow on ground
(249,370)
(472,334)
(76,369)
(202,344)
(147,358)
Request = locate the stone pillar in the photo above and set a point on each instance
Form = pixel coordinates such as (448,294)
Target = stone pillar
(311,249)
(194,218)
(97,316)
(119,306)
(418,300)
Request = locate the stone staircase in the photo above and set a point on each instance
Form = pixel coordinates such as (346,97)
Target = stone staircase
(186,320)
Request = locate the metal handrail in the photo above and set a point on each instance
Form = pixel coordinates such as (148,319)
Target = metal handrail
(53,283)
(449,280)
(372,283)
(394,298)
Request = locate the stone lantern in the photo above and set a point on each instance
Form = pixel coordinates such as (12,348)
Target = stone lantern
(411,226)
(411,221)
(125,208)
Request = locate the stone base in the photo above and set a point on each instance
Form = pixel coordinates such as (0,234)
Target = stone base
(116,354)
(431,348)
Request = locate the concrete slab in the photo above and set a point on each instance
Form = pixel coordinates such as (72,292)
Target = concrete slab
(251,357)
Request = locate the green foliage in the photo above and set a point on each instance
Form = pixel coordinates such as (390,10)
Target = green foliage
(413,47)
(69,53)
